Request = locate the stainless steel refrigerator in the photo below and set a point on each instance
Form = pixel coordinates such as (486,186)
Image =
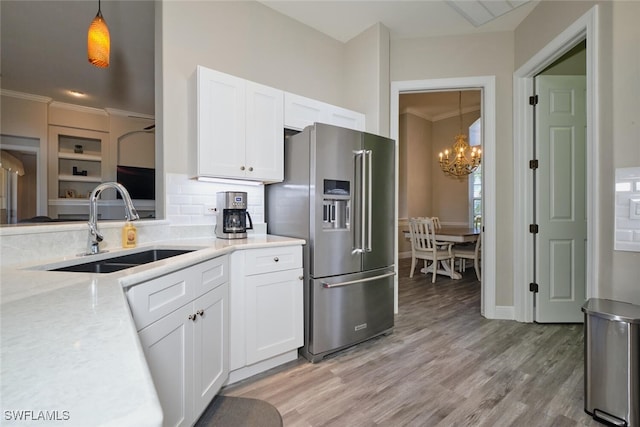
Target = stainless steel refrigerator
(338,195)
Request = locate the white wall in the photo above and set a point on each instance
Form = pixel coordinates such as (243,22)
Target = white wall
(466,56)
(245,39)
(367,77)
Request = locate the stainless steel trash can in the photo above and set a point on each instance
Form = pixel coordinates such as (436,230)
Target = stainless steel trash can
(612,361)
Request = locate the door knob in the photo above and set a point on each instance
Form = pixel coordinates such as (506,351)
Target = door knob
(200,313)
(250,169)
(192,317)
(276,259)
(241,168)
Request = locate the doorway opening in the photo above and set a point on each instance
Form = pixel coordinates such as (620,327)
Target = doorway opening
(429,122)
(584,29)
(20,179)
(485,84)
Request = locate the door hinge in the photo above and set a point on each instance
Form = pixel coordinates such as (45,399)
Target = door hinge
(533,287)
(533,100)
(533,228)
(533,164)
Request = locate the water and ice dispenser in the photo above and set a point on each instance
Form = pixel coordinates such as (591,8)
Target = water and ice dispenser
(336,204)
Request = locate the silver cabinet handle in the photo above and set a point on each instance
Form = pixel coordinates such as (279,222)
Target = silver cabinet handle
(192,317)
(241,168)
(200,313)
(300,277)
(276,259)
(353,282)
(250,169)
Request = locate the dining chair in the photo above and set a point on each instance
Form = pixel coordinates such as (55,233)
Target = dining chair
(425,247)
(475,254)
(436,222)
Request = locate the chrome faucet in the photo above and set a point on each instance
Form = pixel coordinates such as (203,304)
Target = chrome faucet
(95,237)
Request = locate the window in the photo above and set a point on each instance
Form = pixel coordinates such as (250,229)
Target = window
(475,179)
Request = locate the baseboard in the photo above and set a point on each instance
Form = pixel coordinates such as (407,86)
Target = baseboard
(504,312)
(249,371)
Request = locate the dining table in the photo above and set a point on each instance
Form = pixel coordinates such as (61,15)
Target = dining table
(452,235)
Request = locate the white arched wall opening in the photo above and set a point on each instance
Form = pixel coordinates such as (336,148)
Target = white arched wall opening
(487,85)
(584,28)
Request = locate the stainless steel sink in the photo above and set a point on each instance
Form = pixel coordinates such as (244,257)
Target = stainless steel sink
(109,265)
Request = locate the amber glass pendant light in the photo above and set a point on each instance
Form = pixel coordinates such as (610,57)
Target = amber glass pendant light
(98,41)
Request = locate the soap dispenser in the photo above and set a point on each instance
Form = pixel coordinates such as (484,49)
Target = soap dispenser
(129,235)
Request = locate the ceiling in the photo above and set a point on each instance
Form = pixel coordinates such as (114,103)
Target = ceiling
(43,43)
(345,19)
(441,105)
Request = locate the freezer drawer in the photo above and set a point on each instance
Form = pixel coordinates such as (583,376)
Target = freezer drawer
(346,310)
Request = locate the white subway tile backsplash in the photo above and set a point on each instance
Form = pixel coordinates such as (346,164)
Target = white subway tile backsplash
(177,199)
(627,215)
(188,198)
(193,210)
(624,236)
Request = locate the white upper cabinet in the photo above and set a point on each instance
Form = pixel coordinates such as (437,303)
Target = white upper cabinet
(240,125)
(300,112)
(264,133)
(240,128)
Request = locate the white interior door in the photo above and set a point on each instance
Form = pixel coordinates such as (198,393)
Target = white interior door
(561,198)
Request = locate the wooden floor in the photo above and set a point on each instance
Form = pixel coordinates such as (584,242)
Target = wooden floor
(444,365)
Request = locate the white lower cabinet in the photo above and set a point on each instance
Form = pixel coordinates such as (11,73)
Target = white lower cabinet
(187,346)
(267,325)
(274,314)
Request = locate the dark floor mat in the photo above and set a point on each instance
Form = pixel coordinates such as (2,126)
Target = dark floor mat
(230,411)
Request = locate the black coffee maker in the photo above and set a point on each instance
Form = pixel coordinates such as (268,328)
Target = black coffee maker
(231,222)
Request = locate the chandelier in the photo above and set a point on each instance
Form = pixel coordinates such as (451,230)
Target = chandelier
(461,160)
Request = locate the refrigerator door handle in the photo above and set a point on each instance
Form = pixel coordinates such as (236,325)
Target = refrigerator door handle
(353,282)
(359,247)
(369,154)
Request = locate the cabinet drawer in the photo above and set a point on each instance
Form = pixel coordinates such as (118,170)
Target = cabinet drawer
(149,301)
(211,274)
(267,260)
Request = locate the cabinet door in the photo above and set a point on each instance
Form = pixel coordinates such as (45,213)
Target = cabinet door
(264,133)
(300,112)
(211,345)
(168,348)
(221,124)
(274,314)
(342,117)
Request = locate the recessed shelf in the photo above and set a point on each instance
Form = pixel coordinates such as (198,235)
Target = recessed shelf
(88,157)
(79,178)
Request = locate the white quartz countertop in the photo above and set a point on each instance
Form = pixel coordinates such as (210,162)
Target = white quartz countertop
(70,351)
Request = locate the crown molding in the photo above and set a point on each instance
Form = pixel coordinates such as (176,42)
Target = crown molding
(26,96)
(438,117)
(78,108)
(130,114)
